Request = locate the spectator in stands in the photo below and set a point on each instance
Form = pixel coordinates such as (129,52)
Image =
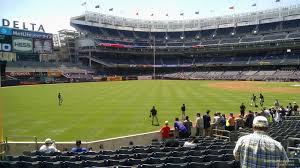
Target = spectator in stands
(216,123)
(182,131)
(258,149)
(239,122)
(153,113)
(49,146)
(78,147)
(277,104)
(165,131)
(295,108)
(277,117)
(242,109)
(261,100)
(199,125)
(191,143)
(266,113)
(223,122)
(231,122)
(183,111)
(289,109)
(188,125)
(206,123)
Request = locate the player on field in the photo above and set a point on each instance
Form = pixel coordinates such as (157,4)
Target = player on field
(261,100)
(60,99)
(183,111)
(253,100)
(153,113)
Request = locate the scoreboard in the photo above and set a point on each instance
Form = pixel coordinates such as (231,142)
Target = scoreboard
(25,41)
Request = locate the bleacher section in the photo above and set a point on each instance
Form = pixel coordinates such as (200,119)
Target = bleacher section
(209,152)
(263,32)
(280,75)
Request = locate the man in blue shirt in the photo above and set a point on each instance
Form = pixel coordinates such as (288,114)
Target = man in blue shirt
(182,131)
(78,149)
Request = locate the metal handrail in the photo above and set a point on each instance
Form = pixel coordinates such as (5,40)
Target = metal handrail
(6,148)
(221,131)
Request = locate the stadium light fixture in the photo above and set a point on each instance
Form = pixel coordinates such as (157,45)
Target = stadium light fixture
(166,37)
(232,33)
(181,37)
(254,32)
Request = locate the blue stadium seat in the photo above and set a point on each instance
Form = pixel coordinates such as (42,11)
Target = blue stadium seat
(28,164)
(93,163)
(111,162)
(124,151)
(140,155)
(154,161)
(160,154)
(50,164)
(177,154)
(175,165)
(209,158)
(200,165)
(197,159)
(224,164)
(150,166)
(8,164)
(175,160)
(229,157)
(194,153)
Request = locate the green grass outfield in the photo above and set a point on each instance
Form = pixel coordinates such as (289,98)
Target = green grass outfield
(93,111)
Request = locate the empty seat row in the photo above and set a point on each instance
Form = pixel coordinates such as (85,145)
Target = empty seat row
(201,156)
(125,164)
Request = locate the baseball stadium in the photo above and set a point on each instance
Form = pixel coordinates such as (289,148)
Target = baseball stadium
(118,91)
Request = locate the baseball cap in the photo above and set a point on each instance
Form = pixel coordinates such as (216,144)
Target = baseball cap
(260,121)
(166,122)
(294,102)
(48,141)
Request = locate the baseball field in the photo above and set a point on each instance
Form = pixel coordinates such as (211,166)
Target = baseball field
(92,111)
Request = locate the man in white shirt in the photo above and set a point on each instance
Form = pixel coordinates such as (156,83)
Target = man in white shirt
(48,147)
(199,125)
(191,143)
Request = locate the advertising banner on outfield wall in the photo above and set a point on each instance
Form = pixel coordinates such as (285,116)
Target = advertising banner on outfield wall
(5,43)
(21,44)
(42,46)
(114,78)
(20,74)
(144,77)
(54,74)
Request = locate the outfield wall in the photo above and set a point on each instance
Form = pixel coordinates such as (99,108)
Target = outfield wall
(17,148)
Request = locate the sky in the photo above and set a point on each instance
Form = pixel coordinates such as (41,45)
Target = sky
(55,15)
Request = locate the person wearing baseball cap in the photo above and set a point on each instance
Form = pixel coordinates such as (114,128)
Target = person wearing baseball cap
(258,149)
(48,147)
(165,131)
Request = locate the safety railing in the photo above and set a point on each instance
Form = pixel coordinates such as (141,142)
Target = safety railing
(6,146)
(222,134)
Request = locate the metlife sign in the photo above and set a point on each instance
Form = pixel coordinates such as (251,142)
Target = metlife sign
(31,34)
(21,44)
